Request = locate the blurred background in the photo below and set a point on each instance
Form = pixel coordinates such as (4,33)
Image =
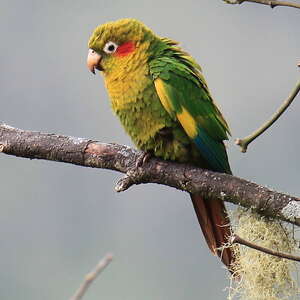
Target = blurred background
(58,220)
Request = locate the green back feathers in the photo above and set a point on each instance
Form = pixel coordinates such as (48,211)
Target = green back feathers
(184,94)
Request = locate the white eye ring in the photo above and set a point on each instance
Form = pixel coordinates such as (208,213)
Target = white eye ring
(110,47)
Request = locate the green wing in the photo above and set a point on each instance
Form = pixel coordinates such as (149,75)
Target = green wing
(183,92)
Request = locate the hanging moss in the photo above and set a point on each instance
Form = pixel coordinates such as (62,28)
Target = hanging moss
(262,276)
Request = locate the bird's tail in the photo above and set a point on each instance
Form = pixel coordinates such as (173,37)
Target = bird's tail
(214,222)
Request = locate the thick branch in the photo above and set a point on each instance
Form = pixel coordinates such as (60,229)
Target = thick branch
(271,3)
(88,153)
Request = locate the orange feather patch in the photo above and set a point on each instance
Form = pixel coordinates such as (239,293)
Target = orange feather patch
(125,49)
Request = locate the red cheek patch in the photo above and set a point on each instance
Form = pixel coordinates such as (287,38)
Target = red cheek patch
(125,49)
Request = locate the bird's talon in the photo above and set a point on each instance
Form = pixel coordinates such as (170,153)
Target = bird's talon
(143,159)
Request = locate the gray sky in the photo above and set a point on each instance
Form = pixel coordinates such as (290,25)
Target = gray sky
(57,220)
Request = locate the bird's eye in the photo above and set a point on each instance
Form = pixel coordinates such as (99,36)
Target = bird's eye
(110,47)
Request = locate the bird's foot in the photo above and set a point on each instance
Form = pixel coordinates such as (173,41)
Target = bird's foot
(133,176)
(143,159)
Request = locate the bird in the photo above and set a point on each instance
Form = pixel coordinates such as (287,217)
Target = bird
(158,92)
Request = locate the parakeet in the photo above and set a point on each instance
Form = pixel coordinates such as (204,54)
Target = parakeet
(162,100)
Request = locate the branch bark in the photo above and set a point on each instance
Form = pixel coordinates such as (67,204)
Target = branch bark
(271,3)
(89,153)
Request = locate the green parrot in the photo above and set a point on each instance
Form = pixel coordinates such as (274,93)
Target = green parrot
(161,98)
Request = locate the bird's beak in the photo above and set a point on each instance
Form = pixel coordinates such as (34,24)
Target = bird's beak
(93,61)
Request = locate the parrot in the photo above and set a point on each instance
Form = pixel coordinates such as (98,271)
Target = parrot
(158,92)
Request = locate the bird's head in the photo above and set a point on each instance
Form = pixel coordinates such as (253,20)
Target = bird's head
(112,43)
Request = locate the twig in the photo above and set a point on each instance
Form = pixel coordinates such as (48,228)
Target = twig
(88,153)
(236,239)
(243,143)
(272,3)
(90,277)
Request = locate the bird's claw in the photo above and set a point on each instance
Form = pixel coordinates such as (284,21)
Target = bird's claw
(143,159)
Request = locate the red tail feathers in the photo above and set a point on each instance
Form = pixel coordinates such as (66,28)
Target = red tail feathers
(214,221)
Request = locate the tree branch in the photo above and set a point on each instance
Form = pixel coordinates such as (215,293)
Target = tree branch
(89,153)
(243,143)
(90,277)
(235,239)
(271,3)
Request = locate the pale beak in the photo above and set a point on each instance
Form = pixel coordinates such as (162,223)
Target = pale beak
(93,61)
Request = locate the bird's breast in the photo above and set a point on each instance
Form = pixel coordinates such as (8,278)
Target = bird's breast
(136,103)
(125,86)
